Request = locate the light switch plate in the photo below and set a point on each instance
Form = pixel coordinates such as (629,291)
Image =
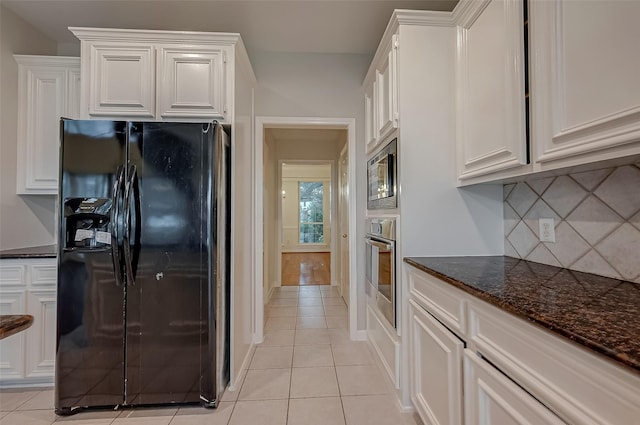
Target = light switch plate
(547,230)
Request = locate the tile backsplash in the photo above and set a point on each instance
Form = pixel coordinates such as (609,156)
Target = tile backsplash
(596,216)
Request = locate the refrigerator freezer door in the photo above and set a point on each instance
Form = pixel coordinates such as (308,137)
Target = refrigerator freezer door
(167,325)
(90,300)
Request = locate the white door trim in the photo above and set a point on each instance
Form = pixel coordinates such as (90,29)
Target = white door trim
(263,122)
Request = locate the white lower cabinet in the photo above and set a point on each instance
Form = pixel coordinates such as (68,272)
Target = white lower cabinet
(499,369)
(28,286)
(436,360)
(490,398)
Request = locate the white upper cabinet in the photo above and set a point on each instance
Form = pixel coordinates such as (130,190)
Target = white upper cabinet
(381,94)
(48,89)
(190,81)
(491,133)
(584,79)
(387,91)
(584,95)
(157,75)
(120,79)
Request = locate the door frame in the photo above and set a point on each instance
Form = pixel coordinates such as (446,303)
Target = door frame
(340,233)
(261,123)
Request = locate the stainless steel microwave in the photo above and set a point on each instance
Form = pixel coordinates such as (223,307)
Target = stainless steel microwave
(382,190)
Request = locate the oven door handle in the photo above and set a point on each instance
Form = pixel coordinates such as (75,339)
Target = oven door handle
(379,245)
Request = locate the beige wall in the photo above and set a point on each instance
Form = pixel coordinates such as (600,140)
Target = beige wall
(27,220)
(320,85)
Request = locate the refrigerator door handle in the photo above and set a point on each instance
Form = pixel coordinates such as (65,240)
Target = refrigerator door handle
(115,213)
(127,224)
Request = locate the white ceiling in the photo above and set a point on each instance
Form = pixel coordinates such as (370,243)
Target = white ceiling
(313,26)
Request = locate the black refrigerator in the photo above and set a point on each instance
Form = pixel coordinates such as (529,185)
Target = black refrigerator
(143,264)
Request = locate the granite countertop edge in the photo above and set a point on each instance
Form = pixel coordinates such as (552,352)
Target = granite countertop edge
(612,354)
(44,251)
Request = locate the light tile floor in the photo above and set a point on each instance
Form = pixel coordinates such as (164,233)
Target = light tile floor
(306,372)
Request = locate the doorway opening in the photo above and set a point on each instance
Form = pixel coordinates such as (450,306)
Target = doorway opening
(303,218)
(306,215)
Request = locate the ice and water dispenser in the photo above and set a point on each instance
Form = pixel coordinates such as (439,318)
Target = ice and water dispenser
(87,222)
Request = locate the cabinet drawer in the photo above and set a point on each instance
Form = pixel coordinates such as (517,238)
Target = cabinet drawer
(579,386)
(492,398)
(444,301)
(12,274)
(43,274)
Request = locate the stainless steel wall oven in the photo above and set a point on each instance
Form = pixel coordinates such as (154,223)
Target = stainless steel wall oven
(381,265)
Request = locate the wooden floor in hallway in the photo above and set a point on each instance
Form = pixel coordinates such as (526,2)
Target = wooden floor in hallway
(306,268)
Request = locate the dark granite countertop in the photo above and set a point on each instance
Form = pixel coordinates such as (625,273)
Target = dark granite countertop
(45,251)
(13,323)
(600,313)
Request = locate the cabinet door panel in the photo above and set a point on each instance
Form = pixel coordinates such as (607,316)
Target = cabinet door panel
(370,129)
(191,82)
(386,94)
(73,94)
(12,348)
(585,91)
(493,399)
(436,360)
(122,81)
(47,85)
(491,92)
(42,94)
(41,337)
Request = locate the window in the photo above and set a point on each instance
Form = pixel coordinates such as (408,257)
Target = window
(311,212)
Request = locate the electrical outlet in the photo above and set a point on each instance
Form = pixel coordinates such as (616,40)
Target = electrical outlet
(547,230)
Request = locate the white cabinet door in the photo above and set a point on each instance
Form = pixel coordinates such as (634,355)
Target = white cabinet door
(121,80)
(370,126)
(41,336)
(493,399)
(584,79)
(436,369)
(44,96)
(491,109)
(190,81)
(12,301)
(387,92)
(12,348)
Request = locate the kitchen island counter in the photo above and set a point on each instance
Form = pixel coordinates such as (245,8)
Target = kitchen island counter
(600,313)
(13,323)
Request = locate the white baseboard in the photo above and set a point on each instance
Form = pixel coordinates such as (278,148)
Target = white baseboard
(306,249)
(360,335)
(27,383)
(237,382)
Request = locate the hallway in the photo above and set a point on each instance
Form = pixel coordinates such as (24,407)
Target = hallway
(308,372)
